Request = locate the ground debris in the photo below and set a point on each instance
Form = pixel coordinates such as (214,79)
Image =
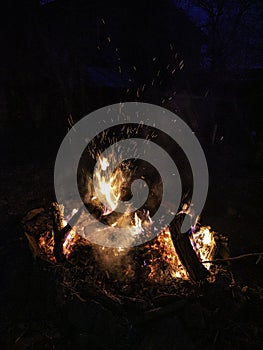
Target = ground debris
(102,308)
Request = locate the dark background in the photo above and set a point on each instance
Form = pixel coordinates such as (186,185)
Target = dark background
(200,59)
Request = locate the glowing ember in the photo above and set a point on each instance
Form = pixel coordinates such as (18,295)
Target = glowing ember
(202,242)
(46,245)
(160,249)
(161,254)
(164,245)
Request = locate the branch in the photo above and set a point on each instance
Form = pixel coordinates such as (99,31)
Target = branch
(233,258)
(57,217)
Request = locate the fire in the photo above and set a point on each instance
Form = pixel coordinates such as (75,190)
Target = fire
(46,245)
(104,163)
(161,251)
(69,242)
(108,185)
(141,224)
(164,245)
(203,243)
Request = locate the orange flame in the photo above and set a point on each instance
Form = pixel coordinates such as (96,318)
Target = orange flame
(108,190)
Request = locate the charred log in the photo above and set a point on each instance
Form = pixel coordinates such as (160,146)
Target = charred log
(72,222)
(196,270)
(57,218)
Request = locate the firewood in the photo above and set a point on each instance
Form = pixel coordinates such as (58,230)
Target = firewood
(57,217)
(196,270)
(72,222)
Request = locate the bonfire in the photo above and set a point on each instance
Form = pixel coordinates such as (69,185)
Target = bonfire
(164,262)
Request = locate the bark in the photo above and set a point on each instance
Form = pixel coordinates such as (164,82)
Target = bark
(57,217)
(196,270)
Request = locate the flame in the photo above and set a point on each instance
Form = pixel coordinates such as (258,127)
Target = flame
(137,227)
(161,251)
(203,243)
(69,242)
(164,245)
(46,245)
(108,188)
(104,163)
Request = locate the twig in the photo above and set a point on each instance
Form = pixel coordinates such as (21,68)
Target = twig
(216,336)
(232,258)
(74,292)
(158,312)
(258,260)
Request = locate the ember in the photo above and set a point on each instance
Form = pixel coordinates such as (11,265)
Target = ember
(165,257)
(157,260)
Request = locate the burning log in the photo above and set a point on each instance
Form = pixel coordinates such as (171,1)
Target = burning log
(72,222)
(57,218)
(60,229)
(196,270)
(168,258)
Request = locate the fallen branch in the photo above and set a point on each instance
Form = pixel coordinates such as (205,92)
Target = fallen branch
(232,258)
(74,292)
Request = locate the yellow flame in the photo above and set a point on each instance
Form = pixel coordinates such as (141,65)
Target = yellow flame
(167,251)
(203,243)
(108,190)
(69,242)
(104,163)
(109,184)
